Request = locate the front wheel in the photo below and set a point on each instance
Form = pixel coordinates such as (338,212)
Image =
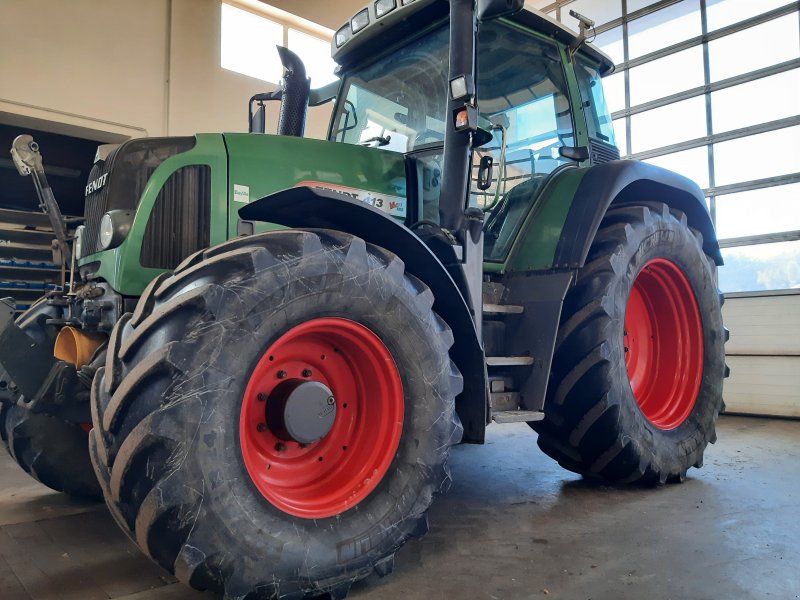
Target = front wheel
(274,419)
(636,383)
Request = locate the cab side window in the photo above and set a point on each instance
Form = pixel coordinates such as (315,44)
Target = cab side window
(598,119)
(523,98)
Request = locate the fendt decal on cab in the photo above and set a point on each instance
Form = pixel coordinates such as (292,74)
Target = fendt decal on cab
(394,206)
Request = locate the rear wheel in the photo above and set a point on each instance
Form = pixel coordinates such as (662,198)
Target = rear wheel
(275,418)
(53,451)
(636,384)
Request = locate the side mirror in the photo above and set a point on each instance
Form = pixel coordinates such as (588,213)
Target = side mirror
(258,122)
(493,9)
(576,153)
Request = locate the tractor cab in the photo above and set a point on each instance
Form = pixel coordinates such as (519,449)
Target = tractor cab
(540,105)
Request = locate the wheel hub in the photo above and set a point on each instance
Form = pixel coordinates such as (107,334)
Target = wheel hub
(321,418)
(301,411)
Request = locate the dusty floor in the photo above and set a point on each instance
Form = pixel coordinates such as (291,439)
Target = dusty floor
(514,525)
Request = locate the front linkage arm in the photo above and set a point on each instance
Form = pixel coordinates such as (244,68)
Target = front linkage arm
(28,160)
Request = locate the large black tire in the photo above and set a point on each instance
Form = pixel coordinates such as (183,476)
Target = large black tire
(53,451)
(166,409)
(593,423)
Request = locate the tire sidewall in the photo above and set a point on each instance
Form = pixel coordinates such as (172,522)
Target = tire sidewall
(667,238)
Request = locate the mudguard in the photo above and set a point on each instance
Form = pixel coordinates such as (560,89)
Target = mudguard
(304,207)
(626,182)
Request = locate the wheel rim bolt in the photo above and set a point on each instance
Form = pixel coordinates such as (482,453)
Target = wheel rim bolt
(262,427)
(306,372)
(280,447)
(281,374)
(262,397)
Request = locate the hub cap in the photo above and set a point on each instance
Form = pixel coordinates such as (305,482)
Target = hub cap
(663,341)
(321,417)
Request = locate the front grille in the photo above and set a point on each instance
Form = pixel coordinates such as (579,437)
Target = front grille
(180,223)
(602,152)
(127,170)
(97,204)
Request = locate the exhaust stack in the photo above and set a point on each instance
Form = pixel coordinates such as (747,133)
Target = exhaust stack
(296,87)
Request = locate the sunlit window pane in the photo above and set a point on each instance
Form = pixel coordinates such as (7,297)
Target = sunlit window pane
(614,88)
(248,44)
(599,11)
(610,42)
(689,163)
(721,13)
(763,267)
(767,44)
(665,76)
(621,135)
(664,27)
(634,5)
(776,97)
(757,156)
(769,210)
(669,124)
(316,55)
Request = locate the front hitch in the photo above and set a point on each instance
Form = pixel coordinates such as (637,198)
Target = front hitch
(31,376)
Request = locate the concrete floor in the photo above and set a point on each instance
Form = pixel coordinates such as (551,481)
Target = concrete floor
(514,525)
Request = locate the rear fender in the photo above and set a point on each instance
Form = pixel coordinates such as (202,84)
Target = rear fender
(304,207)
(628,182)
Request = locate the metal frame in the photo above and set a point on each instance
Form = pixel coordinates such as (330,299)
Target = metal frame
(711,138)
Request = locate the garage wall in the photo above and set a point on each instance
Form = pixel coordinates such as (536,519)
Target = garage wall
(110,69)
(86,63)
(763,354)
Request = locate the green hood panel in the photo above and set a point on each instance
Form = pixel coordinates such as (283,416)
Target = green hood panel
(244,168)
(263,164)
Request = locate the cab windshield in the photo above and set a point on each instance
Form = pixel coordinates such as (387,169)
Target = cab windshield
(397,103)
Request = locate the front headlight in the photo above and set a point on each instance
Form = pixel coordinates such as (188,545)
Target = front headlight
(114,228)
(77,247)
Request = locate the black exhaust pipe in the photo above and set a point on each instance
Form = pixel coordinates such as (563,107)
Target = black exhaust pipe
(296,87)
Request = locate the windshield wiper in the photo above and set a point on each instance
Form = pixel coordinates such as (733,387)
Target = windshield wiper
(381,141)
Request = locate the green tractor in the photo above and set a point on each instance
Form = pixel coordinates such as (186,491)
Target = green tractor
(271,343)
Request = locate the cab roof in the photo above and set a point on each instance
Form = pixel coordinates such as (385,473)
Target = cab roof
(411,16)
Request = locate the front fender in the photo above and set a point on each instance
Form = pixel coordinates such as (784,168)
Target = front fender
(306,207)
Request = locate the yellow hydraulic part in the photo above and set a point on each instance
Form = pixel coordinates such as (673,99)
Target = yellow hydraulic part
(75,346)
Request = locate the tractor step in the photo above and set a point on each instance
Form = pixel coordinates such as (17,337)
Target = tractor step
(503,401)
(502,309)
(509,361)
(517,416)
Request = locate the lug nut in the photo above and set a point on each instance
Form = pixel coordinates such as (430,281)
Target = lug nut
(262,397)
(306,372)
(262,427)
(280,446)
(281,374)
(331,400)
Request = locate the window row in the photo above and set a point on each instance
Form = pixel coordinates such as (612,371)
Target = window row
(248,47)
(728,57)
(667,26)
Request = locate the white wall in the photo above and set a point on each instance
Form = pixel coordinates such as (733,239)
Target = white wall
(764,354)
(85,63)
(110,69)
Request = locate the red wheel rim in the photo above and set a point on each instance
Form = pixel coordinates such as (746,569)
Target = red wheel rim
(333,474)
(663,341)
